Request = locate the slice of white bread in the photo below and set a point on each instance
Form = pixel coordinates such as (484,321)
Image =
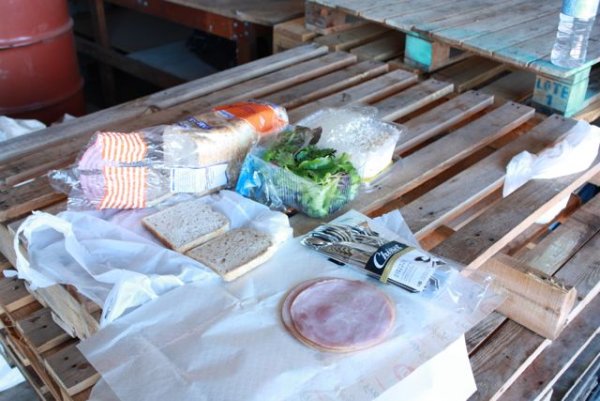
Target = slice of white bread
(186,225)
(235,253)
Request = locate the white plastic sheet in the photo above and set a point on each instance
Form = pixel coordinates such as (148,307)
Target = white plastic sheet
(214,341)
(11,128)
(119,268)
(9,377)
(573,154)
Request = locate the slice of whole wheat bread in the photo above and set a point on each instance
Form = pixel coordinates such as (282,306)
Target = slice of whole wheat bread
(186,225)
(234,253)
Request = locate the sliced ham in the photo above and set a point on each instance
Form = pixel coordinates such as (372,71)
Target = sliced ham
(339,315)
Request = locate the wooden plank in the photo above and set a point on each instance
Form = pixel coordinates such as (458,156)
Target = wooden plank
(71,370)
(543,373)
(441,118)
(397,10)
(256,87)
(517,14)
(40,331)
(442,10)
(575,383)
(294,29)
(498,366)
(456,195)
(476,242)
(477,335)
(385,48)
(431,160)
(13,294)
(468,16)
(365,92)
(325,85)
(351,38)
(25,198)
(86,125)
(488,44)
(516,86)
(412,99)
(325,20)
(271,82)
(470,73)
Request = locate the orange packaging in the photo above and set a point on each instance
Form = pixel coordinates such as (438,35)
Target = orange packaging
(265,118)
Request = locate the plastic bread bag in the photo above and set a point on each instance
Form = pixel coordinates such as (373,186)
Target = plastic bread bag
(289,171)
(574,153)
(140,169)
(112,260)
(229,342)
(357,131)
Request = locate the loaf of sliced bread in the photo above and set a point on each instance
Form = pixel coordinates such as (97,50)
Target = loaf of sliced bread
(234,253)
(186,225)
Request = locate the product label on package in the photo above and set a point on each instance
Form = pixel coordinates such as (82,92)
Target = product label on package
(198,180)
(403,265)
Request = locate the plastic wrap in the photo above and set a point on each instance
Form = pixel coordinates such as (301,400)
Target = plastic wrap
(368,141)
(140,169)
(289,171)
(574,153)
(227,342)
(115,266)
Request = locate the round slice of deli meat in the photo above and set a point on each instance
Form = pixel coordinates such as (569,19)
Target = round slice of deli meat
(339,315)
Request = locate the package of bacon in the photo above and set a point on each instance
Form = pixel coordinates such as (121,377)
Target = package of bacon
(198,155)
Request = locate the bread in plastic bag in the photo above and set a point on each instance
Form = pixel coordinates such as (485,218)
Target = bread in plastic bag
(202,154)
(357,131)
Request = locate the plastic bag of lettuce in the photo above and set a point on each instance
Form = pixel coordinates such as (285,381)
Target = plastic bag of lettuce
(289,171)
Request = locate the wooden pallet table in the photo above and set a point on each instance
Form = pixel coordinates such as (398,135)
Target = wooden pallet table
(516,32)
(454,155)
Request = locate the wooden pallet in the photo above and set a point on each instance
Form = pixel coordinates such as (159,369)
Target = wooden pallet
(376,42)
(46,355)
(517,32)
(454,157)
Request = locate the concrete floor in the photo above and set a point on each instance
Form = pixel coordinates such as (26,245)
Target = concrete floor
(21,392)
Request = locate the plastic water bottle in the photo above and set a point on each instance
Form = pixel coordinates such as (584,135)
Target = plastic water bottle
(576,21)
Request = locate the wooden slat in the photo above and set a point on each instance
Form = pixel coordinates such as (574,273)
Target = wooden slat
(411,99)
(40,331)
(385,48)
(441,118)
(509,362)
(433,159)
(71,370)
(25,198)
(516,86)
(470,73)
(475,243)
(26,144)
(577,381)
(13,294)
(557,357)
(472,184)
(351,38)
(366,92)
(325,85)
(256,87)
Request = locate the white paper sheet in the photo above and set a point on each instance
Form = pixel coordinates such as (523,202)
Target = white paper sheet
(214,341)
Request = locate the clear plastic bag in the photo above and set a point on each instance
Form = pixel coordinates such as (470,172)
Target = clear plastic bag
(328,182)
(140,169)
(228,342)
(110,259)
(357,131)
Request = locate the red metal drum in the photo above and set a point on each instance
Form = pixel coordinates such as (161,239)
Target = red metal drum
(39,75)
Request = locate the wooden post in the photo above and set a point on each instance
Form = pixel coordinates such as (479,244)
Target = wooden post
(325,20)
(425,54)
(564,95)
